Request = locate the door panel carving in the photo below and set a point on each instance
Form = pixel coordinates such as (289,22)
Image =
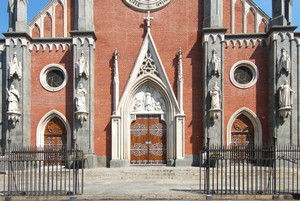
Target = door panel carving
(148,141)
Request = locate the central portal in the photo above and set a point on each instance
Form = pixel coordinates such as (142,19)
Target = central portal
(148,137)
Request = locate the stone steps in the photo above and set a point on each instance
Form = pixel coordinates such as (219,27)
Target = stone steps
(143,173)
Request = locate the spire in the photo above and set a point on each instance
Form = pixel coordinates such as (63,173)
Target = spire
(281,12)
(17,10)
(213,13)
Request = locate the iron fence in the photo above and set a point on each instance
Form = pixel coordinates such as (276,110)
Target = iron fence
(33,171)
(250,170)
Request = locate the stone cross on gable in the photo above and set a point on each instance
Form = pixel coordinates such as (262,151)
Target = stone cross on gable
(148,18)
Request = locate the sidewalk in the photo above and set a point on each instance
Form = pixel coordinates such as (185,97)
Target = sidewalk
(145,183)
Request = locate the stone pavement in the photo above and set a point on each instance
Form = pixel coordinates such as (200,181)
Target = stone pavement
(144,183)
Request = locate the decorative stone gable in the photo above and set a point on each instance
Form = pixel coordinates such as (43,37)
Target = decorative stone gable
(147,92)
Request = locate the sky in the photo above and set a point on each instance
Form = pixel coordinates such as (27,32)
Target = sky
(35,6)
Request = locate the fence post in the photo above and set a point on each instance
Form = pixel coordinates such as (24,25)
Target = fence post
(208,195)
(8,198)
(275,196)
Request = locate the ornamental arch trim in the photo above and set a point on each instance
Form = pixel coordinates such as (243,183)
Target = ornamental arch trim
(254,120)
(44,121)
(167,116)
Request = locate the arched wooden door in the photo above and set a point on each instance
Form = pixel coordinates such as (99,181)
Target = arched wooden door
(55,139)
(242,132)
(148,136)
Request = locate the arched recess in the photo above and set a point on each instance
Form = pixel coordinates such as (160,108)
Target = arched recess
(255,121)
(42,124)
(128,116)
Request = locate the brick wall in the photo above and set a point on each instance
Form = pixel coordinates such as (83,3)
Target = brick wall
(256,97)
(43,101)
(120,27)
(177,25)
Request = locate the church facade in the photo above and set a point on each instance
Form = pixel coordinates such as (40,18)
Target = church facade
(135,82)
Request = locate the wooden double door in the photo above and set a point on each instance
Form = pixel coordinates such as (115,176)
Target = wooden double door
(148,139)
(242,138)
(242,132)
(55,141)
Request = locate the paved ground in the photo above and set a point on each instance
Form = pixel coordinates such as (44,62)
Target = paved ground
(144,183)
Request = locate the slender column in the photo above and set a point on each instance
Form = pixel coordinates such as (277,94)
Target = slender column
(180,81)
(116,82)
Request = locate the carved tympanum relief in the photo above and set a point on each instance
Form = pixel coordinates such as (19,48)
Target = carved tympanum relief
(148,100)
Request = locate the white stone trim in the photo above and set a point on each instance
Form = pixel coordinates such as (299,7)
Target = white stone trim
(253,69)
(42,124)
(255,121)
(51,46)
(50,8)
(123,117)
(245,42)
(48,68)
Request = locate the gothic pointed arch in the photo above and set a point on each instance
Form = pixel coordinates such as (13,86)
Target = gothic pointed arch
(253,118)
(43,123)
(148,82)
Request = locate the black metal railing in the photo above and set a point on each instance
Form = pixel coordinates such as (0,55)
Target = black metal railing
(34,171)
(250,170)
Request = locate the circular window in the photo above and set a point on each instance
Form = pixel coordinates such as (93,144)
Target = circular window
(244,74)
(53,77)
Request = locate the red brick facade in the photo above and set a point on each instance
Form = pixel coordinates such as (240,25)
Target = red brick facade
(177,25)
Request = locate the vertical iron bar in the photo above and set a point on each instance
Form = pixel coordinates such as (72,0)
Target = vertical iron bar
(288,167)
(222,161)
(208,166)
(284,169)
(230,164)
(56,171)
(226,152)
(82,179)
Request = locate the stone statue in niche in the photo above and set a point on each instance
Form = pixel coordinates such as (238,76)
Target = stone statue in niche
(214,64)
(13,98)
(14,67)
(215,97)
(285,95)
(284,62)
(82,66)
(80,99)
(148,100)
